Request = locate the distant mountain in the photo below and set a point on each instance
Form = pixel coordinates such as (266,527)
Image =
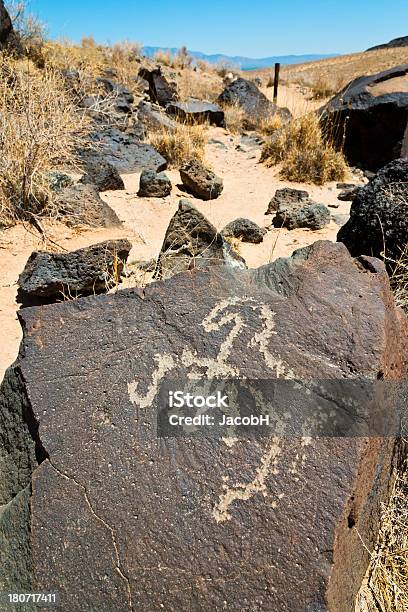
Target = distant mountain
(244,63)
(395,42)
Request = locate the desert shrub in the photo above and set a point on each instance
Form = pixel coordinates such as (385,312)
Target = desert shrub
(204,86)
(305,155)
(40,128)
(399,279)
(31,31)
(269,125)
(180,144)
(164,57)
(321,88)
(234,118)
(224,67)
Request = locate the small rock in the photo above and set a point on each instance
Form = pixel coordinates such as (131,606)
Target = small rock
(286,196)
(348,195)
(244,229)
(307,214)
(47,277)
(201,181)
(104,176)
(82,205)
(154,185)
(334,205)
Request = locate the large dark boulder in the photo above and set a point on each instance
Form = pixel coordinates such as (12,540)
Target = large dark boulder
(104,176)
(191,241)
(200,181)
(81,204)
(196,111)
(245,230)
(378,221)
(49,277)
(115,517)
(124,151)
(161,90)
(368,118)
(255,104)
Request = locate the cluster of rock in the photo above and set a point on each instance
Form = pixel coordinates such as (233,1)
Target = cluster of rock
(293,208)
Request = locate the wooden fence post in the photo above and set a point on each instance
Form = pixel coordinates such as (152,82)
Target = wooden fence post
(276,83)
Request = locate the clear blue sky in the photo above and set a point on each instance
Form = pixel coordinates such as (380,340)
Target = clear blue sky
(253,28)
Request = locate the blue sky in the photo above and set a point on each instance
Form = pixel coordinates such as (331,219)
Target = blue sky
(253,28)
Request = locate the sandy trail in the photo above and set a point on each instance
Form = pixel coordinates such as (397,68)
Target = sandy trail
(248,187)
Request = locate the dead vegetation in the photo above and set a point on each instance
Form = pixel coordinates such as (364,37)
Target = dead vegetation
(180,144)
(303,152)
(399,280)
(40,128)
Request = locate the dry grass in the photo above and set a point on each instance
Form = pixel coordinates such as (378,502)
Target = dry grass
(304,154)
(198,84)
(269,125)
(180,144)
(40,128)
(386,589)
(234,118)
(399,279)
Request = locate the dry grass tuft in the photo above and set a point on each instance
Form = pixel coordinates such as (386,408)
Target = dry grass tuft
(387,585)
(180,144)
(198,84)
(40,128)
(305,155)
(269,125)
(399,280)
(234,118)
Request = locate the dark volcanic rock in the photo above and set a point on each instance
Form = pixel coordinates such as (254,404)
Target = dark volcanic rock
(120,95)
(348,195)
(308,214)
(197,111)
(160,90)
(294,208)
(49,276)
(82,205)
(402,41)
(200,181)
(117,516)
(255,104)
(154,185)
(245,229)
(286,197)
(370,116)
(191,241)
(379,215)
(104,176)
(124,151)
(154,118)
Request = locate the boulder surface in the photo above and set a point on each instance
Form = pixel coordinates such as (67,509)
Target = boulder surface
(104,176)
(379,215)
(197,111)
(368,118)
(116,518)
(49,276)
(154,185)
(254,103)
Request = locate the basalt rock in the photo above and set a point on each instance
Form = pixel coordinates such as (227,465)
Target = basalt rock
(104,176)
(154,118)
(116,518)
(124,151)
(191,241)
(379,215)
(308,214)
(370,116)
(161,90)
(201,181)
(47,277)
(154,185)
(9,39)
(197,111)
(82,205)
(245,230)
(254,103)
(286,197)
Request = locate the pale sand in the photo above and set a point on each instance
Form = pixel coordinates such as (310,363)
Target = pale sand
(248,187)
